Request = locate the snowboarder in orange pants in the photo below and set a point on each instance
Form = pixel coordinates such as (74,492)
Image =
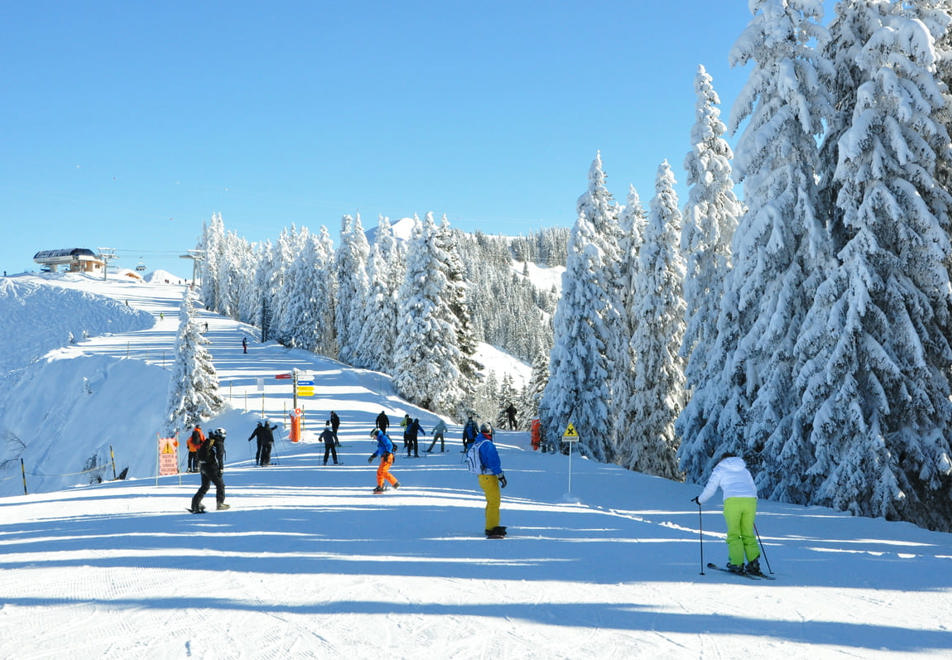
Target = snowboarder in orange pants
(385,452)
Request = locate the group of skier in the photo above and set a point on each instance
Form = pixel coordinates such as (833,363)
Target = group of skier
(730,475)
(481,456)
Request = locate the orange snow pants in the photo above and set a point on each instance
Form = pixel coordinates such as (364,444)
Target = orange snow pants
(383,471)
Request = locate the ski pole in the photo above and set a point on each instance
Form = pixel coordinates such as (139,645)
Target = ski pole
(700,534)
(763,551)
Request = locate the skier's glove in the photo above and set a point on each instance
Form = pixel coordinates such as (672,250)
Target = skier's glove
(371,459)
(502,480)
(696,500)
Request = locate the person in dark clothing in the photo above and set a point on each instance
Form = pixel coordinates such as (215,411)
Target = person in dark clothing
(335,424)
(265,439)
(511,413)
(329,438)
(410,436)
(211,458)
(383,421)
(244,344)
(469,433)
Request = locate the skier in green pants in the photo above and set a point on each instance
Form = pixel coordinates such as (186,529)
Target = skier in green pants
(740,506)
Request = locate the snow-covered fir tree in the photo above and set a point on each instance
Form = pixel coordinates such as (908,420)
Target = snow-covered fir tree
(352,285)
(658,372)
(781,249)
(873,426)
(427,356)
(193,385)
(286,253)
(621,352)
(456,296)
(378,335)
(211,246)
(578,387)
(303,314)
(710,218)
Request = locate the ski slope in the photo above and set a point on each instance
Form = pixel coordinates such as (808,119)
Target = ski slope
(310,564)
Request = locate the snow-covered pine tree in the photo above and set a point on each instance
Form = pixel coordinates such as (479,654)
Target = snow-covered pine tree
(781,249)
(211,245)
(303,316)
(578,387)
(622,355)
(427,357)
(710,218)
(285,254)
(876,409)
(352,285)
(193,385)
(658,393)
(506,395)
(263,278)
(378,335)
(457,299)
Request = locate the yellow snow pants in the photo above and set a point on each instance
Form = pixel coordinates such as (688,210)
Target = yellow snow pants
(490,485)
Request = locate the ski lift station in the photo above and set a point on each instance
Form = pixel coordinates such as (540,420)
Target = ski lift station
(75,260)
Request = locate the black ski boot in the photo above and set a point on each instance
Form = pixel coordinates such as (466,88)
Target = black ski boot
(753,568)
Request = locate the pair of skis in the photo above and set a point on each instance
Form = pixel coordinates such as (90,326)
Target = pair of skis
(750,576)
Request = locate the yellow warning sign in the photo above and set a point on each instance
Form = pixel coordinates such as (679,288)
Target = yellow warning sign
(570,435)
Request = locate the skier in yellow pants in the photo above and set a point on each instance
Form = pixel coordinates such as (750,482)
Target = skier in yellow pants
(740,508)
(483,460)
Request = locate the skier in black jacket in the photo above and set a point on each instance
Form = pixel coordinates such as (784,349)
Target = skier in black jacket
(265,439)
(211,459)
(335,424)
(329,438)
(410,435)
(383,421)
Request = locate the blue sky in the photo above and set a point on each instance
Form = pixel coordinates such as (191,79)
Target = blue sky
(127,124)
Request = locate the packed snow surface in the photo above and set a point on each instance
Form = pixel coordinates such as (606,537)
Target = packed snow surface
(599,563)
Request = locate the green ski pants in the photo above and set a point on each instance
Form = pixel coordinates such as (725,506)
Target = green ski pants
(739,514)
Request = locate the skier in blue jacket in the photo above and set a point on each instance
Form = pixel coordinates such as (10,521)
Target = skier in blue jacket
(491,479)
(385,450)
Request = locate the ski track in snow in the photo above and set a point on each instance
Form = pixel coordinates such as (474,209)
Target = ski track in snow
(310,564)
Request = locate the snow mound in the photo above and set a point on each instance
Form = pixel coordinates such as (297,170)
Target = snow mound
(38,318)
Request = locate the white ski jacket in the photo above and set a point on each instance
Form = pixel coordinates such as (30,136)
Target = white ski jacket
(733,478)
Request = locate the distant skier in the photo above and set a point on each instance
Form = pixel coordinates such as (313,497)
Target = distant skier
(438,432)
(329,438)
(385,450)
(211,457)
(740,507)
(469,433)
(263,432)
(483,460)
(335,424)
(410,438)
(511,414)
(383,421)
(244,344)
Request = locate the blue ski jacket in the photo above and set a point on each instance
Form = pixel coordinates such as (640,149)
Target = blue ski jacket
(488,456)
(384,444)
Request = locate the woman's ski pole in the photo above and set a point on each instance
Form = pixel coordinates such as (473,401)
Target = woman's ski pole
(700,533)
(762,550)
